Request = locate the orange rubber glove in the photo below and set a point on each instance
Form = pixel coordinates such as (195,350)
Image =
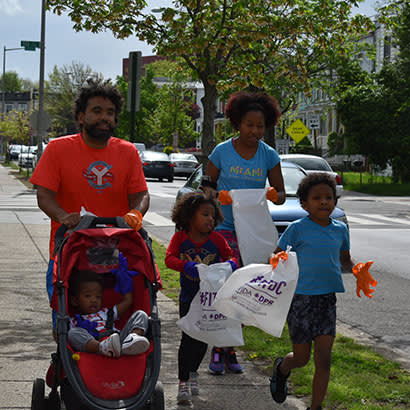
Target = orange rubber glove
(363,279)
(134,219)
(272,194)
(224,198)
(274,260)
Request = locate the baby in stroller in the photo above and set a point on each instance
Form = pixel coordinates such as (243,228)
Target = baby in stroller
(92,329)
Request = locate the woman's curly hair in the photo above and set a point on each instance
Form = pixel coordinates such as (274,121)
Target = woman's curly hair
(186,207)
(315,178)
(242,102)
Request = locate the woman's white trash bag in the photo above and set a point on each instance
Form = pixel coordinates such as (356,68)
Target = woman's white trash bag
(257,234)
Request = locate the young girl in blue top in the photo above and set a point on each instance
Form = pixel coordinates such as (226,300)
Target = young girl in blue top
(243,162)
(322,246)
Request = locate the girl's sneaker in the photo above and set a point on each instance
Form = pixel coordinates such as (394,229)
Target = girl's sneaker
(111,346)
(134,344)
(232,362)
(217,364)
(184,395)
(193,383)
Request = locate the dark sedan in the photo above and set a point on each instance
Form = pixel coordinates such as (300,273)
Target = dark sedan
(157,165)
(282,215)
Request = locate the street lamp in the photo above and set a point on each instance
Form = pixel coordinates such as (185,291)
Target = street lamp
(4,77)
(28,46)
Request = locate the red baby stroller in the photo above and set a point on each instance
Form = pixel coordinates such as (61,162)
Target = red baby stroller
(92,381)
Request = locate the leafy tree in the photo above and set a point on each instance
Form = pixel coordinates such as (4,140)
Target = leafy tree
(28,84)
(60,93)
(172,118)
(375,112)
(335,143)
(144,130)
(12,82)
(230,45)
(15,127)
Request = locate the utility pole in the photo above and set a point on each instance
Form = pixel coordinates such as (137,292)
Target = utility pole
(42,127)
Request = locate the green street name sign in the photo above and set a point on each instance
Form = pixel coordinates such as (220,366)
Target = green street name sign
(30,45)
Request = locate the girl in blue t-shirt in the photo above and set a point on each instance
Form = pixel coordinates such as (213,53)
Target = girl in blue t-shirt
(243,162)
(195,241)
(322,247)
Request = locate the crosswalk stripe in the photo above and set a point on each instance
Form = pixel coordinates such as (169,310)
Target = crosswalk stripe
(363,221)
(157,220)
(389,219)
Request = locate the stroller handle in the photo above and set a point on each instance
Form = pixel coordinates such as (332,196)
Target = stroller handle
(86,222)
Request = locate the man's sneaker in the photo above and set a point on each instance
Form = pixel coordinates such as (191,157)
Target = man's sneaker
(217,365)
(278,382)
(232,362)
(184,395)
(134,344)
(111,346)
(193,383)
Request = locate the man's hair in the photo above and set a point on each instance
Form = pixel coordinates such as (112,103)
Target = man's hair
(315,178)
(79,277)
(98,88)
(186,207)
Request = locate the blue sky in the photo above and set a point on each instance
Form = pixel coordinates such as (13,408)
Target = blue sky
(21,20)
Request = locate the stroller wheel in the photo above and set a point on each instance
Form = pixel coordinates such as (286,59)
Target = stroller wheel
(157,398)
(53,401)
(37,396)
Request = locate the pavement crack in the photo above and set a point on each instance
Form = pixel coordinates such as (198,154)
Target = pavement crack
(31,238)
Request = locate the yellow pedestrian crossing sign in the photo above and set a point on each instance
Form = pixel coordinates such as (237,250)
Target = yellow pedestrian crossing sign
(298,131)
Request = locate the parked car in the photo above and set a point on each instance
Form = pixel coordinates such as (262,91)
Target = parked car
(157,165)
(282,215)
(14,151)
(25,158)
(313,163)
(184,163)
(140,147)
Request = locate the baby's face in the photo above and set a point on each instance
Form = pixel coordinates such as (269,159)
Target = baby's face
(89,298)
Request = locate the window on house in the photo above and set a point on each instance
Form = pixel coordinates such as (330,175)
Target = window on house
(387,48)
(22,107)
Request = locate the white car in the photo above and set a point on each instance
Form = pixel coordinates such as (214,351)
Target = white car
(313,163)
(27,153)
(185,164)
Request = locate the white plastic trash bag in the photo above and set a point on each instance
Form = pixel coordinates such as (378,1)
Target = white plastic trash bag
(256,232)
(260,296)
(203,322)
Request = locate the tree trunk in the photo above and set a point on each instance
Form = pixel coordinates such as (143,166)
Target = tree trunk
(209,103)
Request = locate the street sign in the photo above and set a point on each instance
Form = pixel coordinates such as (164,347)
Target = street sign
(282,146)
(30,45)
(298,131)
(314,121)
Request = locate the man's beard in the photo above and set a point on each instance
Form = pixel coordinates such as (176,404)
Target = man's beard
(98,134)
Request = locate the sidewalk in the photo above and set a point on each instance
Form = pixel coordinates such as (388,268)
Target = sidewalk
(26,342)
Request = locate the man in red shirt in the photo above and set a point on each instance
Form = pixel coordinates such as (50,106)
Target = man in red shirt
(91,169)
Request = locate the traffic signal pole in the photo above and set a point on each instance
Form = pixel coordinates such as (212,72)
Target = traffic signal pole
(134,78)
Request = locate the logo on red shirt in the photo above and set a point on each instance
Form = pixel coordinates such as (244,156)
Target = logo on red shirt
(98,175)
